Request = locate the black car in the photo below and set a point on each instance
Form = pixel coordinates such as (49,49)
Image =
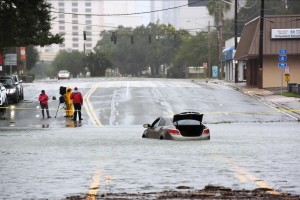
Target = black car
(183,126)
(13,88)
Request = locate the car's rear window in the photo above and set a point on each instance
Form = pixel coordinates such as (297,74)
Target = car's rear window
(188,122)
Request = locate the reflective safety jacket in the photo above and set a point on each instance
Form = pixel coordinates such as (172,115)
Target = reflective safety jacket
(68,96)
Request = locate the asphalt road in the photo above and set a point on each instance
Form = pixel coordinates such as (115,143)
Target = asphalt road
(252,144)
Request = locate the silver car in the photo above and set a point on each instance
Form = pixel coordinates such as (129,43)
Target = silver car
(183,126)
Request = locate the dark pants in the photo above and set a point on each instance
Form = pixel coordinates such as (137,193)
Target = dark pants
(77,108)
(45,107)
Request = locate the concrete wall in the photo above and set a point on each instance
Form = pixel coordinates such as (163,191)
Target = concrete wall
(272,74)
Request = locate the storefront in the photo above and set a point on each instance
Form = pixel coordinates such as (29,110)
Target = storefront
(281,51)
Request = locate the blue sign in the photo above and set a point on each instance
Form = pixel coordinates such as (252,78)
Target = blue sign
(215,71)
(282,51)
(282,65)
(282,58)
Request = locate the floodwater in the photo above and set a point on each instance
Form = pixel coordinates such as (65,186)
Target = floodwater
(55,163)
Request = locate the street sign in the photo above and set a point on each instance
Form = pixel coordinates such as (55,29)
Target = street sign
(282,58)
(287,70)
(282,65)
(282,51)
(10,59)
(287,77)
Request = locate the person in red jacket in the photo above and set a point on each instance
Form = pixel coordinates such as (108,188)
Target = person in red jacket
(43,98)
(77,102)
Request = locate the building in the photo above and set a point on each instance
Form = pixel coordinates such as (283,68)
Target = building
(281,52)
(73,17)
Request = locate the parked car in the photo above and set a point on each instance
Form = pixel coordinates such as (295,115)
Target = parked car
(183,126)
(13,93)
(19,84)
(63,74)
(3,96)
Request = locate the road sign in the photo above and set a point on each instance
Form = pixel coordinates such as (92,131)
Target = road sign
(10,59)
(282,58)
(287,77)
(282,51)
(282,65)
(287,70)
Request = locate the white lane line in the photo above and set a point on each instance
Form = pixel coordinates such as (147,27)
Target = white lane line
(89,108)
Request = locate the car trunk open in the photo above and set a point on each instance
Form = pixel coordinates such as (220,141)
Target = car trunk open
(183,123)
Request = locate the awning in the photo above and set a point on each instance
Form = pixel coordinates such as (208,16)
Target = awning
(227,53)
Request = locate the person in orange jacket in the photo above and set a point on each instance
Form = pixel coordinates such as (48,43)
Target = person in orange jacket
(77,102)
(69,103)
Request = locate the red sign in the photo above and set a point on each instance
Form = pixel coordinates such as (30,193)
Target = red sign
(1,59)
(22,53)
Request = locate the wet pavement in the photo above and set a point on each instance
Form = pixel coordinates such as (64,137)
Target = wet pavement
(252,144)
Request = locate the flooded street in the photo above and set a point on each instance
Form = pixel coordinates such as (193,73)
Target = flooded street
(251,146)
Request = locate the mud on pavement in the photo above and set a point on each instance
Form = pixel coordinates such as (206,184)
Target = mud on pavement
(183,192)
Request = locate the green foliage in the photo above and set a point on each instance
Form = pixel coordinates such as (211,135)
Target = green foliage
(98,62)
(26,22)
(290,94)
(73,62)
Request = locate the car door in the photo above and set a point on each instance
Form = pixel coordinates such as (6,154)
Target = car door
(159,128)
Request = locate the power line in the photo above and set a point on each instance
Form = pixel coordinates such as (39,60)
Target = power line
(127,14)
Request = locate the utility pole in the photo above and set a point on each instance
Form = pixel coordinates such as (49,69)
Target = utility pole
(261,40)
(220,36)
(209,56)
(235,42)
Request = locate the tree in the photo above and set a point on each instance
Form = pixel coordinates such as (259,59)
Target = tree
(73,62)
(98,62)
(32,56)
(26,22)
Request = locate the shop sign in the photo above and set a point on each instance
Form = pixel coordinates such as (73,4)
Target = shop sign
(285,33)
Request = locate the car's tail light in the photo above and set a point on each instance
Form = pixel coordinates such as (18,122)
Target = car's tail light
(206,131)
(173,131)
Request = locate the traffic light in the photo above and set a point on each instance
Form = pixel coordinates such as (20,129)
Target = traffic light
(62,90)
(150,39)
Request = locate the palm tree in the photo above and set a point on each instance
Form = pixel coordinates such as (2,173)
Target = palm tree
(214,7)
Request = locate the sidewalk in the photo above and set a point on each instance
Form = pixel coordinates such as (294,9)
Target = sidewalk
(271,97)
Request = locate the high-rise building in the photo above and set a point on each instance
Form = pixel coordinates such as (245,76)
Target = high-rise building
(71,19)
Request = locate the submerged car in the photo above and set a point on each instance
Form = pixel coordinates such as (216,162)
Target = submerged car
(183,126)
(3,96)
(63,74)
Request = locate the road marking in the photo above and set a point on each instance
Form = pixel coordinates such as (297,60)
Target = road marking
(243,175)
(89,108)
(94,187)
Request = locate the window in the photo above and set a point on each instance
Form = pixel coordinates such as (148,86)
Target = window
(74,33)
(75,27)
(88,10)
(74,10)
(75,45)
(61,21)
(74,16)
(88,28)
(74,4)
(75,39)
(61,45)
(74,21)
(61,15)
(162,122)
(88,4)
(88,21)
(89,39)
(89,45)
(88,16)
(61,28)
(61,4)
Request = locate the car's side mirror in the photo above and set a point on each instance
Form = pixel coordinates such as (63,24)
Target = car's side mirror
(146,125)
(175,123)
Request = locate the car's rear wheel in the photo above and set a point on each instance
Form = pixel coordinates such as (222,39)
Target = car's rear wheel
(161,137)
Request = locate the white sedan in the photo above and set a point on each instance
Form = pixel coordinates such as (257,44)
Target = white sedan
(63,74)
(3,96)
